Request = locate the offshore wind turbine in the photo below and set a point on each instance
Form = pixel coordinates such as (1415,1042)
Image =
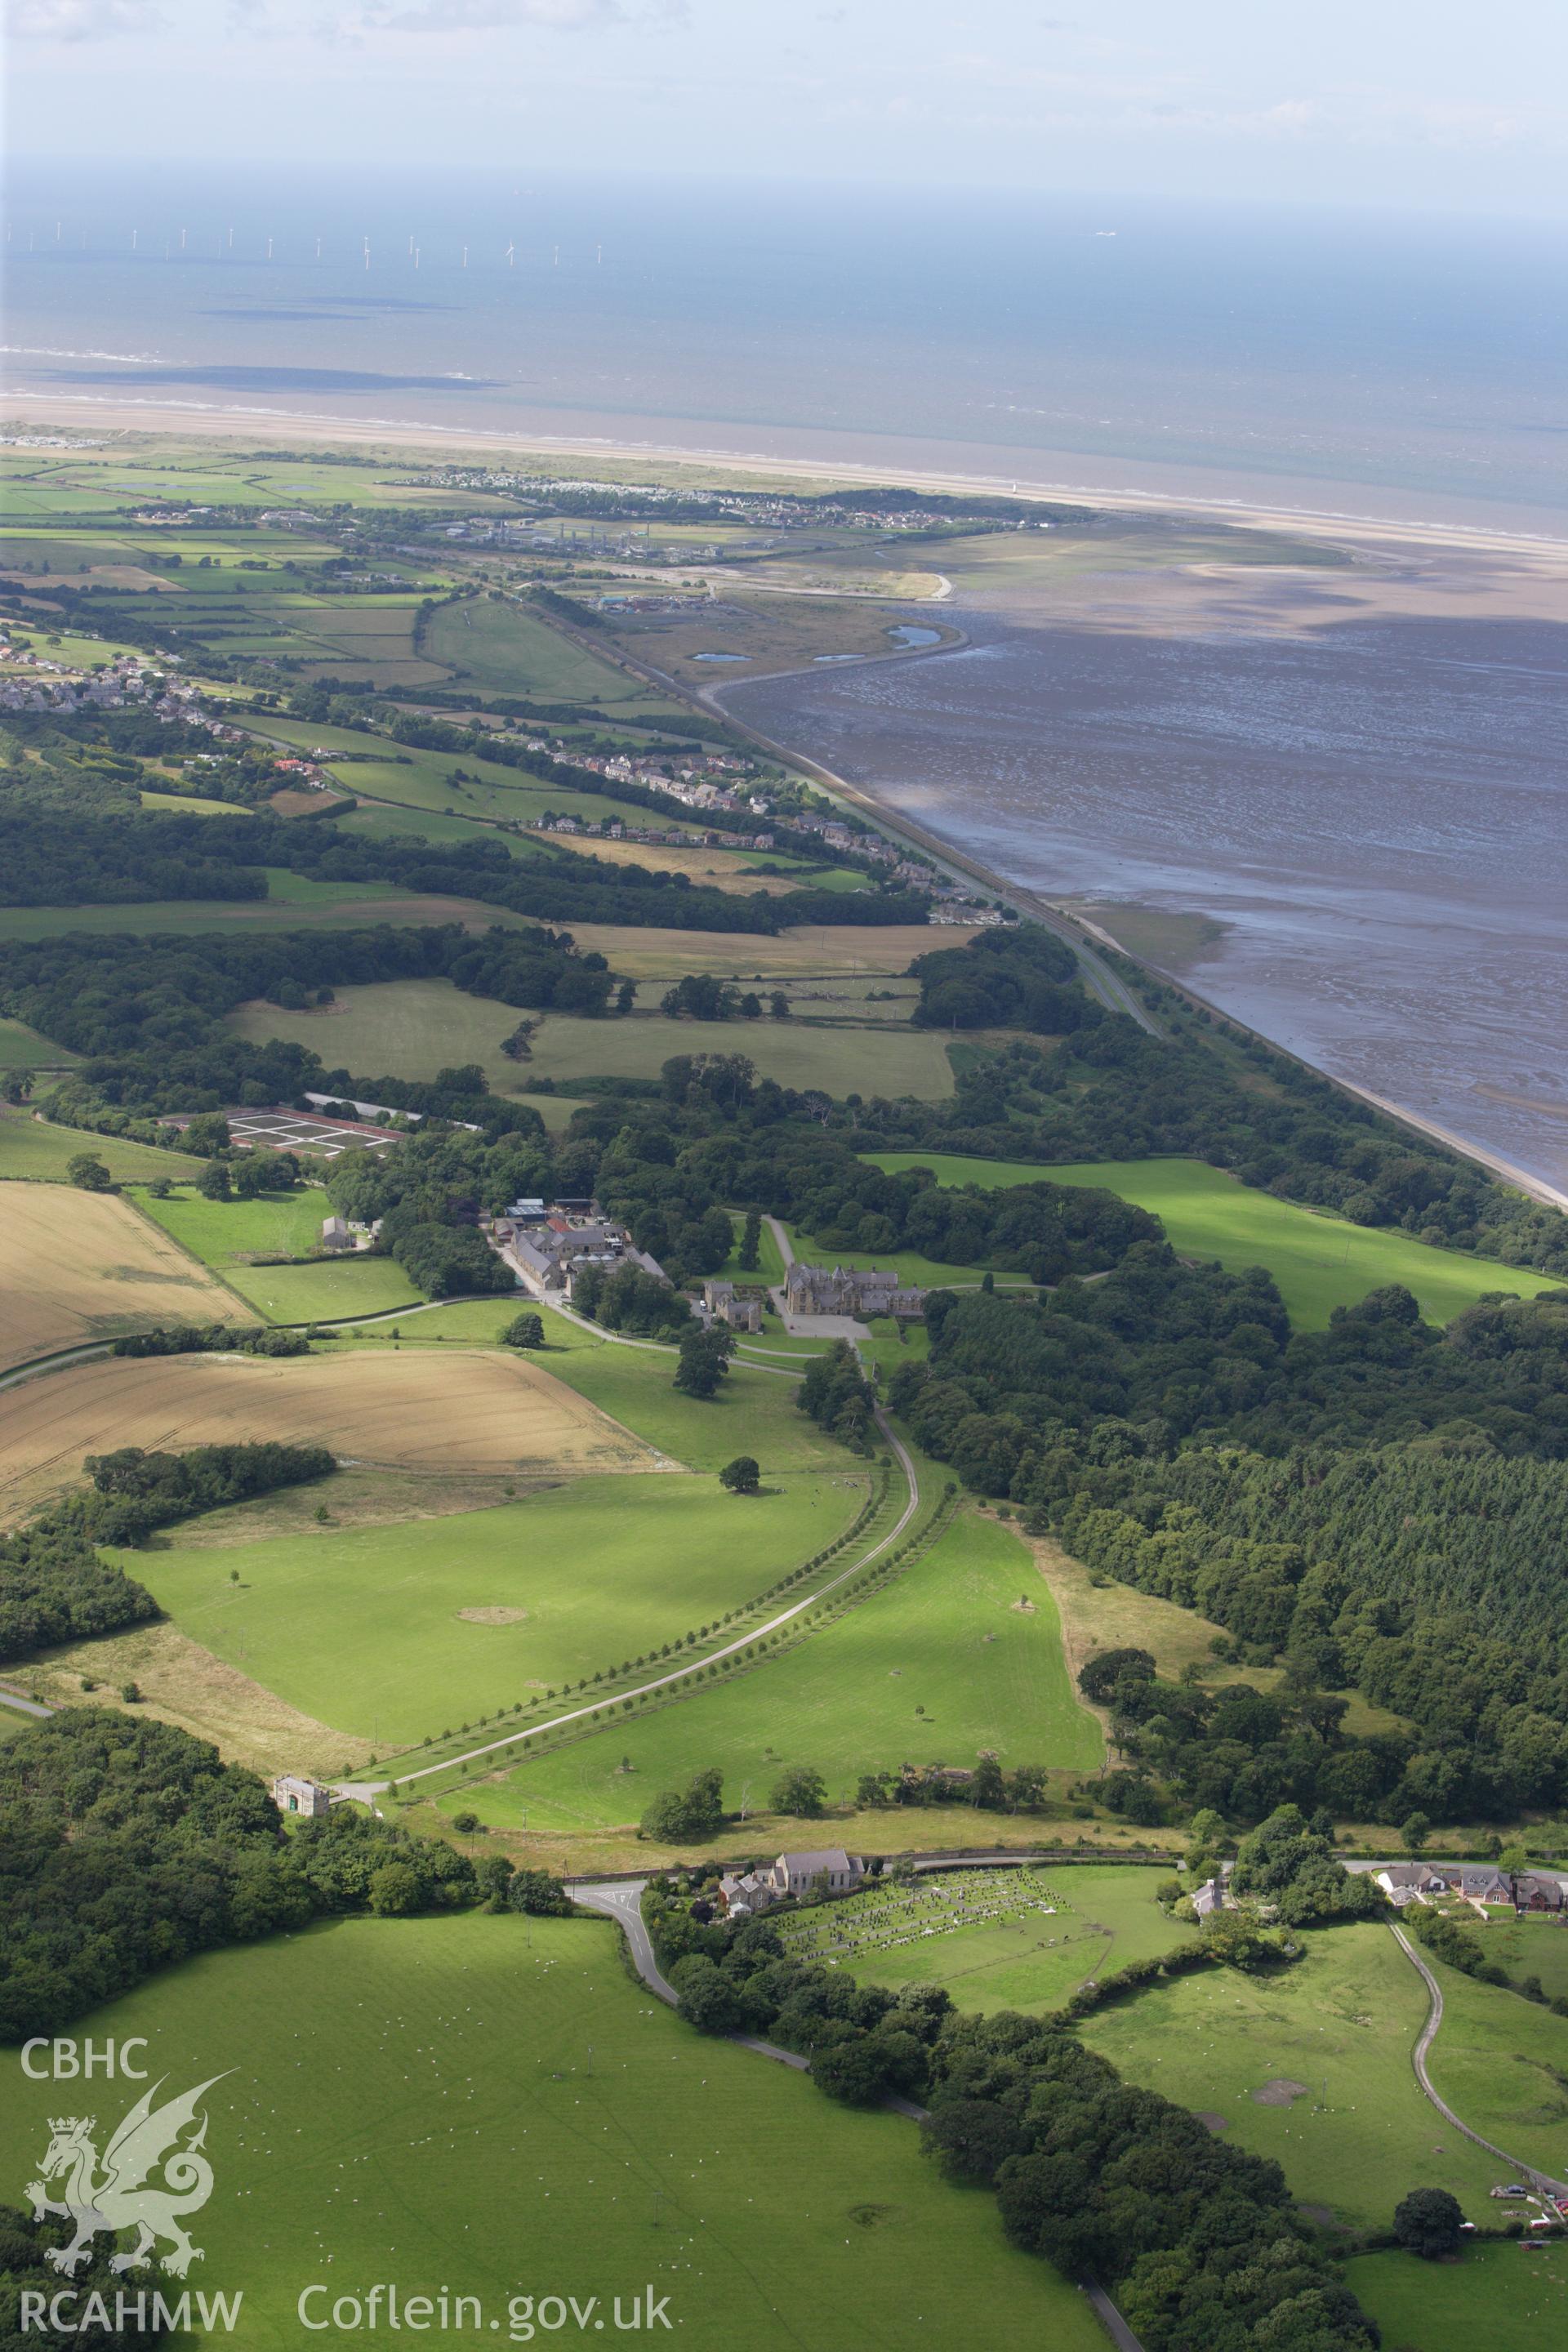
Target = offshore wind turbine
(511,255)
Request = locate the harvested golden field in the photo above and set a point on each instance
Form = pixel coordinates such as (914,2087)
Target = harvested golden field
(747,955)
(84,1266)
(467,1409)
(183,1684)
(718,868)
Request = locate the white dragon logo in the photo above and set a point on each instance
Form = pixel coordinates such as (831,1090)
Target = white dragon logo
(144,2143)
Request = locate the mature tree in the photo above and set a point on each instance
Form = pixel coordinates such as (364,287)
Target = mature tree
(708,1999)
(751,1242)
(87,1174)
(525,1331)
(743,1476)
(703,1362)
(396,1890)
(1099,1678)
(686,1816)
(540,1892)
(1427,2221)
(801,1791)
(1415,1832)
(970,2137)
(213,1182)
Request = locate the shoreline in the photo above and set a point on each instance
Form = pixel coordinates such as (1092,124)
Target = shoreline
(1080,932)
(1086,939)
(169,417)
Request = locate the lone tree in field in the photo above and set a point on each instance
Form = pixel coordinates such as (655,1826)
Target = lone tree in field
(802,1790)
(743,1476)
(1427,2221)
(87,1174)
(751,1243)
(703,1362)
(527,1331)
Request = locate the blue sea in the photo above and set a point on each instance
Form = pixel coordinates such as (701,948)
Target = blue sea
(1298,359)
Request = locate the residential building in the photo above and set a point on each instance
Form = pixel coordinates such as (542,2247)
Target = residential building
(849,1290)
(722,1305)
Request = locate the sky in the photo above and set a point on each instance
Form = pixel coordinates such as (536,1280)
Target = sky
(1414,105)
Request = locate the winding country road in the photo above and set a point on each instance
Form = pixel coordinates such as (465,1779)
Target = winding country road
(1428,2034)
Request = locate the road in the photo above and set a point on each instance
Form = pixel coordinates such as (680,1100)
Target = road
(23,1705)
(711,1657)
(1428,2034)
(621,1900)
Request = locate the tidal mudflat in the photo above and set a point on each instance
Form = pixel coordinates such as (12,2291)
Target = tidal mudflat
(1354,775)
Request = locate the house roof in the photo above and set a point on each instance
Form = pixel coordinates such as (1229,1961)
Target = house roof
(830,1858)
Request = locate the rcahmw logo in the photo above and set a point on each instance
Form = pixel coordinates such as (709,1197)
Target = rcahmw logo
(151,2176)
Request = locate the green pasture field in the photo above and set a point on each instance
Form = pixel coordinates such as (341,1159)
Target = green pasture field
(33,1147)
(364,1629)
(225,1233)
(835,1060)
(1531,1947)
(1502,2062)
(22,1048)
(933,1668)
(412,1026)
(424,781)
(505,648)
(418,1027)
(1016,1938)
(401,2086)
(329,907)
(1319,1261)
(1346,2015)
(1494,2298)
(755,1413)
(65,646)
(379,820)
(324,1291)
(178,803)
(460,1319)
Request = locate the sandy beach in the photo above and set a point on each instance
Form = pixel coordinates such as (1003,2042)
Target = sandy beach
(821,471)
